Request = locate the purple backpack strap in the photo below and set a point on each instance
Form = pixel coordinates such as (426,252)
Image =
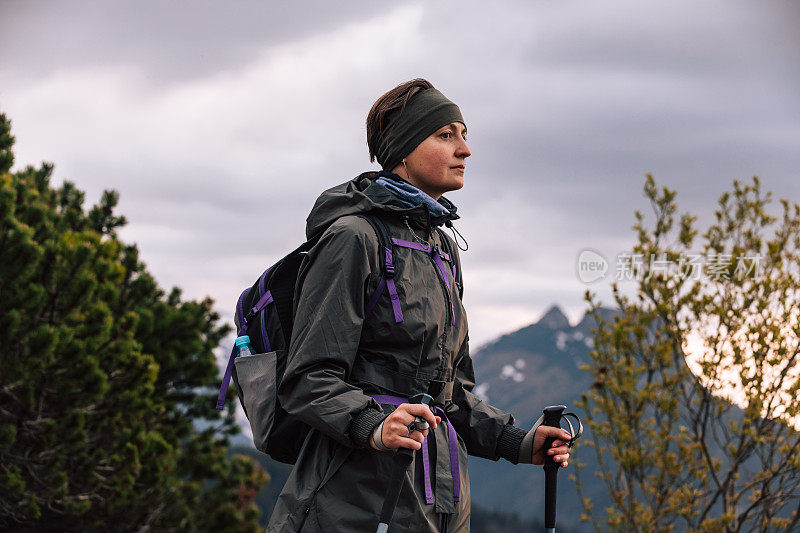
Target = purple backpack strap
(226,379)
(410,244)
(452,446)
(387,280)
(265,300)
(387,273)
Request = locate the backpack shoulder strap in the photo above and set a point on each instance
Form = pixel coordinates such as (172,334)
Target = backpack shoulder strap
(387,267)
(384,238)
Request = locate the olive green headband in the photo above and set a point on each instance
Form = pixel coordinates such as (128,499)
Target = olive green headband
(425,112)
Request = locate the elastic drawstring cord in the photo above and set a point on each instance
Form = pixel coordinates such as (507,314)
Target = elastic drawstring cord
(416,237)
(449,224)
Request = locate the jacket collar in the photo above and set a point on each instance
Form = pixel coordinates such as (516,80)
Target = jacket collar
(417,205)
(363,194)
(411,196)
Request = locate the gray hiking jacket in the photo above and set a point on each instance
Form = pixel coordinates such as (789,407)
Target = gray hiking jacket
(337,360)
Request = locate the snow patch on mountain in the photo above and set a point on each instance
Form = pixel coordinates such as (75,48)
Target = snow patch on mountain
(563,337)
(510,371)
(561,340)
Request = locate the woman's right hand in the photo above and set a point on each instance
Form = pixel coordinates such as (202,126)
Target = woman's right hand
(394,433)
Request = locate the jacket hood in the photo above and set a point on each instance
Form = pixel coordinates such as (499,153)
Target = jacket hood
(362,195)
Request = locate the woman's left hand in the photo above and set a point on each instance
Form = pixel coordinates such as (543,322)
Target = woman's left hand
(559,451)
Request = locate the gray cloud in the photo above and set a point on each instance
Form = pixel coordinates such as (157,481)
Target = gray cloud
(220,125)
(168,41)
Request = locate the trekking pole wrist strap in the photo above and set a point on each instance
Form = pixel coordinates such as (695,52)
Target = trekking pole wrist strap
(377,438)
(526,448)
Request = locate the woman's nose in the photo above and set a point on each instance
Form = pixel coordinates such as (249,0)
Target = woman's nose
(463,149)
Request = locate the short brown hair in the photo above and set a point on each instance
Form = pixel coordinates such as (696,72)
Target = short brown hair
(396,98)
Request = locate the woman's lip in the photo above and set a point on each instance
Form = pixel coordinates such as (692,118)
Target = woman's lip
(462,167)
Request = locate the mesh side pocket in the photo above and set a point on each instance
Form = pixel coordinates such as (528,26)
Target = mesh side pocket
(258,386)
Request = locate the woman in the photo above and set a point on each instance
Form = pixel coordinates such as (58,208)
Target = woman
(354,360)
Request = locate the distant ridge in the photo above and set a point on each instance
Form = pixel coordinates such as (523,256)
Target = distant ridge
(522,372)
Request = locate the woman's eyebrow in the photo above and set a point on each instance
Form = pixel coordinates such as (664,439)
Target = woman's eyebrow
(453,128)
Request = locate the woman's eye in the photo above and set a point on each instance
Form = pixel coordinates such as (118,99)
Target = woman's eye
(445,135)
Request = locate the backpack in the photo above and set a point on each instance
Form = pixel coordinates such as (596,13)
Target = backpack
(264,312)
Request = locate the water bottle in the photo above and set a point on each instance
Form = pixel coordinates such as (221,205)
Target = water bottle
(243,347)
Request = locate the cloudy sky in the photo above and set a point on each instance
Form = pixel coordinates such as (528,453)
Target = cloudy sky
(220,123)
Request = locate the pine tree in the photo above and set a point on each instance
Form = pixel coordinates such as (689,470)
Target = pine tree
(107,397)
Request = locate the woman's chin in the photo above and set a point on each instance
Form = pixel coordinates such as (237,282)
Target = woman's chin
(458,183)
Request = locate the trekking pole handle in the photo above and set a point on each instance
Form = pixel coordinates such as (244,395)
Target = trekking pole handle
(402,459)
(419,423)
(552,417)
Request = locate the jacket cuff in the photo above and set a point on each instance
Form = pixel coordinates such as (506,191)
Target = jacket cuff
(364,424)
(509,442)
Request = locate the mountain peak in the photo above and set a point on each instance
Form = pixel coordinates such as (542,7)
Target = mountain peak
(588,322)
(554,318)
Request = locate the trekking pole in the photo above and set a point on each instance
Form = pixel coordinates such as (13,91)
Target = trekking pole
(402,460)
(552,417)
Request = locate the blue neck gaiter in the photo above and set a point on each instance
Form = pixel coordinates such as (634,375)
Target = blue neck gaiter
(411,196)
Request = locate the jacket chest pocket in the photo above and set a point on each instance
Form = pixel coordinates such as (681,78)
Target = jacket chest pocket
(424,338)
(421,283)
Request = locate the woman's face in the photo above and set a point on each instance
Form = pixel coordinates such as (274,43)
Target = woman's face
(437,164)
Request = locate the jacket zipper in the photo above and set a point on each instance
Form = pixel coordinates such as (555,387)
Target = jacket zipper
(443,284)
